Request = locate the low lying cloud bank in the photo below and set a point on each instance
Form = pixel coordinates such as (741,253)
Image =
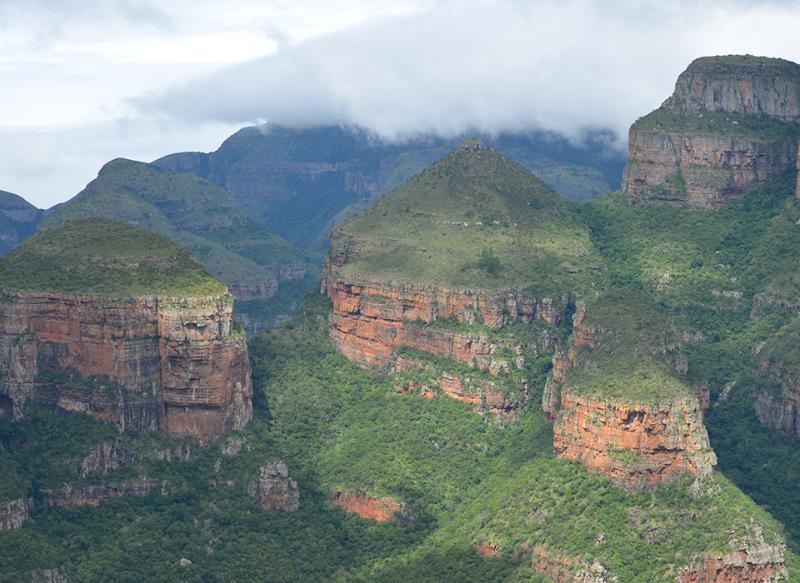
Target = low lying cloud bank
(487,66)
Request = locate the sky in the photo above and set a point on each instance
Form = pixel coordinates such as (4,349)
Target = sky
(86,82)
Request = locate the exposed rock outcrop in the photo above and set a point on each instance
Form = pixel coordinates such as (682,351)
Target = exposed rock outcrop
(274,489)
(731,123)
(750,560)
(484,394)
(49,576)
(72,495)
(635,444)
(565,569)
(13,513)
(616,404)
(143,362)
(373,508)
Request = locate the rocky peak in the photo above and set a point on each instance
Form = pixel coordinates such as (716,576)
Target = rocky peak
(472,145)
(742,84)
(732,123)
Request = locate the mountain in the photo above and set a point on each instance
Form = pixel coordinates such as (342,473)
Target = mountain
(298,181)
(242,252)
(444,265)
(495,384)
(18,220)
(112,320)
(732,122)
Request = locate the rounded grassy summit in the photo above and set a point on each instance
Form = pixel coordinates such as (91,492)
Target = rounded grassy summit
(104,256)
(474,219)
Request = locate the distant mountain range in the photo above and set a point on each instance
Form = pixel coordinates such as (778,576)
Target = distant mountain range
(18,220)
(301,181)
(257,212)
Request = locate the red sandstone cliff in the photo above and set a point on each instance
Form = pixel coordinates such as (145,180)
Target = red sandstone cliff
(370,323)
(636,443)
(146,362)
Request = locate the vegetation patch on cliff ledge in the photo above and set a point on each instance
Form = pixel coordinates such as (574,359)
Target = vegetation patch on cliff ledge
(107,257)
(629,350)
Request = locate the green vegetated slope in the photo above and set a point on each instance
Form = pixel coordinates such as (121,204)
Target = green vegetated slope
(634,357)
(103,256)
(299,181)
(194,213)
(473,219)
(729,280)
(337,427)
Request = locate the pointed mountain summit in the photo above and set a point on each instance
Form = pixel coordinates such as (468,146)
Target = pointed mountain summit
(474,219)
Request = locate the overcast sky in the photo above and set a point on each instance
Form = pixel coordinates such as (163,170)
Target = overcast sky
(85,82)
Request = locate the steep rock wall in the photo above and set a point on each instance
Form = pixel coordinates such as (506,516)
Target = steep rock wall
(145,363)
(779,409)
(739,84)
(731,123)
(370,321)
(699,170)
(636,444)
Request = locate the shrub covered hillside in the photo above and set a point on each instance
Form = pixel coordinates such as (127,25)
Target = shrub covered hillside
(468,488)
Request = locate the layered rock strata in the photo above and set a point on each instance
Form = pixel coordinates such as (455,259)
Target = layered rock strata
(370,321)
(637,442)
(732,123)
(144,362)
(482,393)
(73,495)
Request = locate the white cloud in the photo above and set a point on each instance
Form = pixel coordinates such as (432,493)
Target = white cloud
(84,82)
(488,65)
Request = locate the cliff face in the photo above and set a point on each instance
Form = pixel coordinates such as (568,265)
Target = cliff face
(274,489)
(70,496)
(638,438)
(739,84)
(750,560)
(636,444)
(699,170)
(369,322)
(144,363)
(779,409)
(731,123)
